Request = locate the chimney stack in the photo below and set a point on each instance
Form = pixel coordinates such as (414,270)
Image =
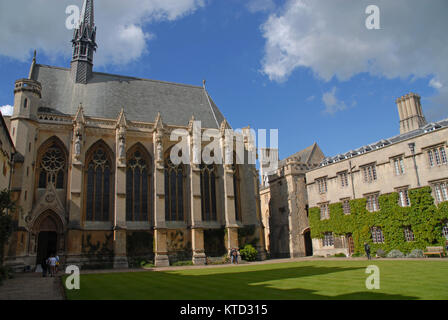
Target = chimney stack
(410,112)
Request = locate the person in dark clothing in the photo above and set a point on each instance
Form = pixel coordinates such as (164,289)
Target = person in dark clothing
(367,249)
(446,248)
(44,267)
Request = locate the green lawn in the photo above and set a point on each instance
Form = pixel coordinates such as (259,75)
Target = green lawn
(321,279)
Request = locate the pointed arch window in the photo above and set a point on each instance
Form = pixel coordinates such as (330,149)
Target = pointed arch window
(208,192)
(52,166)
(138,185)
(99,184)
(174,191)
(237,192)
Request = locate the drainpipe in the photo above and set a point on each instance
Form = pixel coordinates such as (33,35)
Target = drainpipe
(412,148)
(351,178)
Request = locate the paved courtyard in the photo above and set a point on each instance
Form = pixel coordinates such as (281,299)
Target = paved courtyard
(31,286)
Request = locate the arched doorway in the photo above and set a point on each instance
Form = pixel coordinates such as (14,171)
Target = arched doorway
(308,242)
(48,229)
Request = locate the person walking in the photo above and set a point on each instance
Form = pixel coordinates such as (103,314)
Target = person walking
(367,250)
(52,263)
(232,256)
(57,264)
(44,267)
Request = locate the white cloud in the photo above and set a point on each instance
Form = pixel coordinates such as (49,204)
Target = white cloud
(310,98)
(332,103)
(435,84)
(26,25)
(330,38)
(7,110)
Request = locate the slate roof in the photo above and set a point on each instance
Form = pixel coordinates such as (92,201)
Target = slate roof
(303,156)
(142,99)
(385,142)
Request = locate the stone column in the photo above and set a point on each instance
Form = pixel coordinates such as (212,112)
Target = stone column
(197,233)
(229,209)
(261,247)
(227,143)
(76,168)
(120,255)
(160,230)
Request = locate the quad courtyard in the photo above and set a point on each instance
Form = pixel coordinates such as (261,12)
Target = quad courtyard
(308,279)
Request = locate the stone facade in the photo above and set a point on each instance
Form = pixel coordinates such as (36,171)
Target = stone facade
(142,206)
(413,159)
(7,151)
(284,205)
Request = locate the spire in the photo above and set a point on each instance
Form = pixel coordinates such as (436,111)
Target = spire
(87,13)
(33,64)
(84,44)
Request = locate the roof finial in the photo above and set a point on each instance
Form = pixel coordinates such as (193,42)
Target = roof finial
(33,63)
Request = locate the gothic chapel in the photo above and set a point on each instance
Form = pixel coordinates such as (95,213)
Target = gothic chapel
(93,178)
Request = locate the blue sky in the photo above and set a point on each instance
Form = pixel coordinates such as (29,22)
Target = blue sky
(330,89)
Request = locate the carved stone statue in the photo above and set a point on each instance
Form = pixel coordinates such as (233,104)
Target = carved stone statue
(78,145)
(122,147)
(159,151)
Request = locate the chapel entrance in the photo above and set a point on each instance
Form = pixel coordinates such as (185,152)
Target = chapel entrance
(46,245)
(48,229)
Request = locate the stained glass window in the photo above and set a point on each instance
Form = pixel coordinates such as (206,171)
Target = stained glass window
(99,185)
(52,167)
(208,192)
(174,191)
(137,185)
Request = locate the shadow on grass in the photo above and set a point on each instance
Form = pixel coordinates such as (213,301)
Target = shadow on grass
(228,285)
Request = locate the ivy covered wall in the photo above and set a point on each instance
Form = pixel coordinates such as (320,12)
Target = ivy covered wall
(424,217)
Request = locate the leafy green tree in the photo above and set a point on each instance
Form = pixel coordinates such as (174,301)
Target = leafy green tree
(6,224)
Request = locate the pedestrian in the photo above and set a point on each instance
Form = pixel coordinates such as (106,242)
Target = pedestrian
(237,256)
(57,264)
(52,263)
(44,267)
(446,248)
(367,249)
(231,255)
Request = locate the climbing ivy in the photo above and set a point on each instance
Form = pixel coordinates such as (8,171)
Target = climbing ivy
(423,216)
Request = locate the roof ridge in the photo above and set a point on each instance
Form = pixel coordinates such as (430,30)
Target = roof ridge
(129,77)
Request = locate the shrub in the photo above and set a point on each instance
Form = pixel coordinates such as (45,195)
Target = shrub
(416,253)
(380,253)
(395,254)
(340,255)
(182,263)
(249,253)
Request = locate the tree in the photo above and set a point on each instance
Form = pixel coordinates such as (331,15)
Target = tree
(6,224)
